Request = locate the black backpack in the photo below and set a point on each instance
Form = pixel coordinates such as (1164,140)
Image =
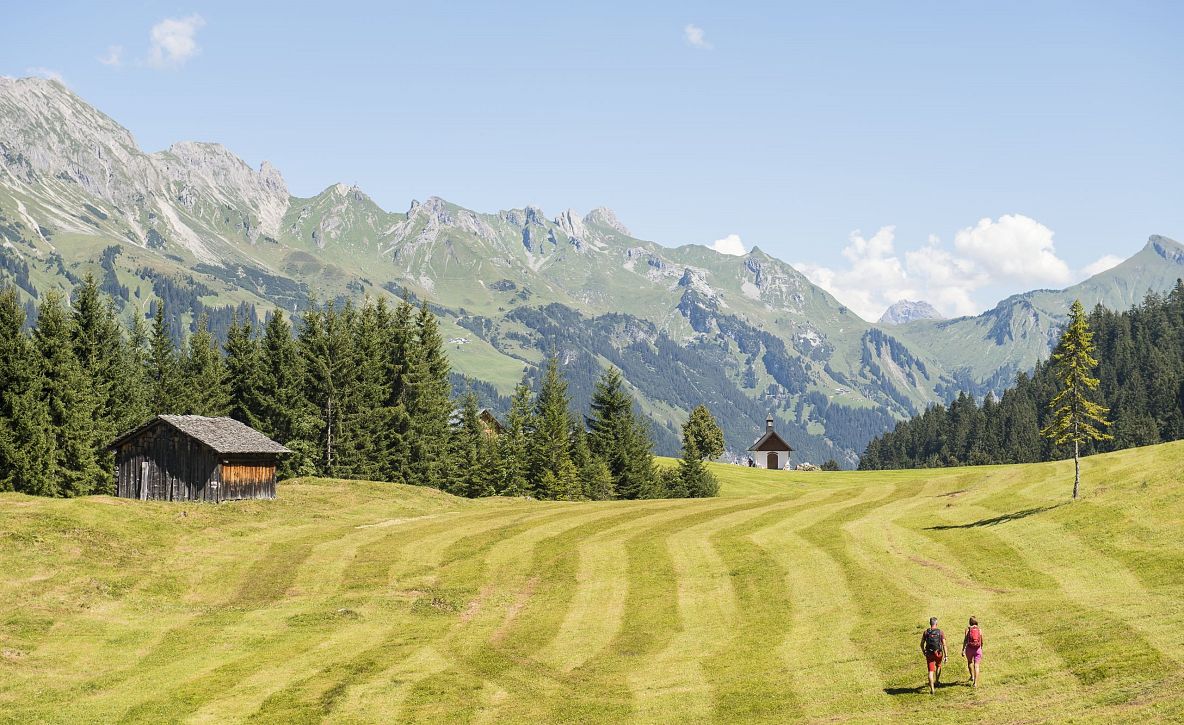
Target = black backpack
(932,640)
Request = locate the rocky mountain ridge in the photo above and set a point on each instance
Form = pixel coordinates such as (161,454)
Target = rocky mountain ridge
(198,229)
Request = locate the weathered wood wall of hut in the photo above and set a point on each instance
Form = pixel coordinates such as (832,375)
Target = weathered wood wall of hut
(162,464)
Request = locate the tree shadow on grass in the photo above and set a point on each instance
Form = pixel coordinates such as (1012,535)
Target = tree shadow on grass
(996,520)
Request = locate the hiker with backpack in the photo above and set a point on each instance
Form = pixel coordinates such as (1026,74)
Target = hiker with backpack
(972,650)
(933,646)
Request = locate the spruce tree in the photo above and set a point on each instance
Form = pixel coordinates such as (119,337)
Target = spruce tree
(620,439)
(99,348)
(400,350)
(493,466)
(283,413)
(367,417)
(27,452)
(514,443)
(324,344)
(245,390)
(466,447)
(29,457)
(578,441)
(1075,418)
(166,392)
(640,456)
(429,404)
(132,388)
(553,475)
(71,402)
(16,360)
(204,374)
(346,451)
(598,482)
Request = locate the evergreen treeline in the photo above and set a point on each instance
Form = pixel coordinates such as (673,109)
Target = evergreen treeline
(1141,373)
(357,392)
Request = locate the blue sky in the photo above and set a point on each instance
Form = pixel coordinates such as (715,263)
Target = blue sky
(791,126)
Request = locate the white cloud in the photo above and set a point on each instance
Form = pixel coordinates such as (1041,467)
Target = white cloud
(1013,251)
(46,73)
(696,37)
(174,41)
(1104,263)
(875,274)
(113,57)
(1015,248)
(730,244)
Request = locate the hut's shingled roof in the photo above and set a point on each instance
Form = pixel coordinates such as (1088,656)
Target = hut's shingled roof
(223,435)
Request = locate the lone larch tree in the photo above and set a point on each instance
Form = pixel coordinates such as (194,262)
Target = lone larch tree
(1075,418)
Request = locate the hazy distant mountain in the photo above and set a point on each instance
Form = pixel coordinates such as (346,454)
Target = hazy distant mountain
(908,311)
(197,227)
(984,352)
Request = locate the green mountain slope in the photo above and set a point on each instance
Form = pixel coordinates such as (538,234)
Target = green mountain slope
(197,228)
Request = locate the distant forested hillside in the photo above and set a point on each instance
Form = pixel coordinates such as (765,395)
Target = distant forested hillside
(1141,369)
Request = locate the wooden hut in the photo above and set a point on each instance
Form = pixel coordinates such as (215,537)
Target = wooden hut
(770,450)
(490,425)
(195,458)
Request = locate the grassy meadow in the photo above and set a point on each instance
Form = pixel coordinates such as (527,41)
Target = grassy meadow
(792,597)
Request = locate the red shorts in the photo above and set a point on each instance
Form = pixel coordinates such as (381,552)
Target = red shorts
(933,660)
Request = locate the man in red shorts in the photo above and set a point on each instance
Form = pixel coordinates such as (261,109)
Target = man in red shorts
(933,646)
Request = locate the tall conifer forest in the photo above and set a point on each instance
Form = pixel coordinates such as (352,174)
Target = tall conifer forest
(1140,356)
(354,391)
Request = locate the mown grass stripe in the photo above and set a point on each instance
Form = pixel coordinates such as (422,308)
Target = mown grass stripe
(674,679)
(371,565)
(1094,645)
(827,670)
(449,552)
(749,678)
(597,609)
(455,690)
(606,686)
(883,606)
(428,538)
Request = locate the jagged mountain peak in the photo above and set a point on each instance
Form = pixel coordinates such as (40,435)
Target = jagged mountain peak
(908,310)
(347,192)
(571,224)
(605,217)
(212,170)
(521,217)
(216,158)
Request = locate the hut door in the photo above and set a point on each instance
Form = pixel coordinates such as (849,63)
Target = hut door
(144,480)
(772,465)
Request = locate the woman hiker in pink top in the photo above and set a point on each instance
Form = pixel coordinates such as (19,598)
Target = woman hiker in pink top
(972,650)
